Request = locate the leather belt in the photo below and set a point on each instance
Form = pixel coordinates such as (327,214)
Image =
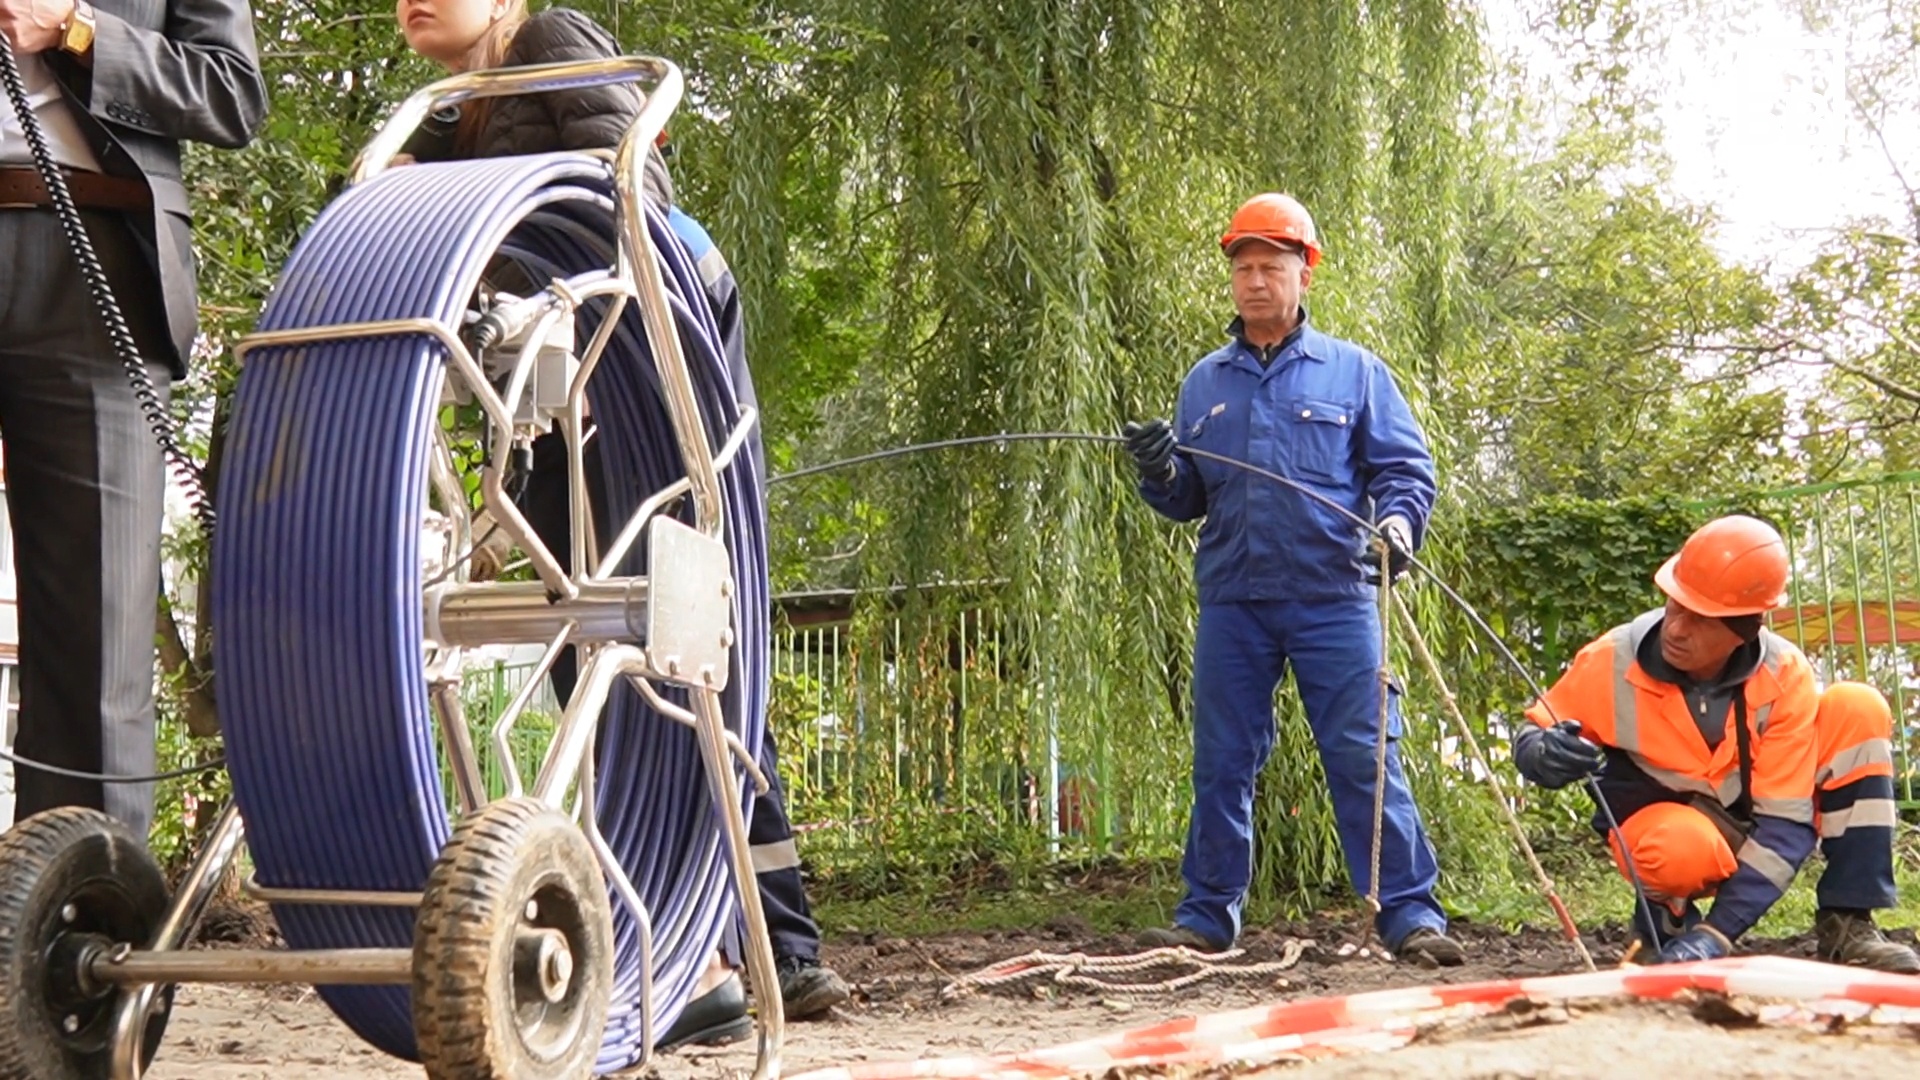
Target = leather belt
(21,188)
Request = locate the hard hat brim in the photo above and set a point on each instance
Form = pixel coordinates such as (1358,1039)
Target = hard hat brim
(1670,584)
(1230,244)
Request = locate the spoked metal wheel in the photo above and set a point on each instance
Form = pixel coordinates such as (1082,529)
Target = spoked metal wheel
(343,640)
(74,886)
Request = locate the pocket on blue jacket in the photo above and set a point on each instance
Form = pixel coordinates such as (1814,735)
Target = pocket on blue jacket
(1320,437)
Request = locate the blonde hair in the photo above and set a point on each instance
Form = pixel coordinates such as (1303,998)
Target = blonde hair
(488,52)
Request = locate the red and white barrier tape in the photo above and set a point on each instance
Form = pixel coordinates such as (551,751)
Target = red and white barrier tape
(1386,1019)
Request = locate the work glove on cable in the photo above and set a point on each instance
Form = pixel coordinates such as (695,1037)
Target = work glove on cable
(1396,534)
(1557,756)
(1152,445)
(1702,942)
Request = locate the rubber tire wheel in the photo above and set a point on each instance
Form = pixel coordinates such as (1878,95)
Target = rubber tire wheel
(83,857)
(468,1003)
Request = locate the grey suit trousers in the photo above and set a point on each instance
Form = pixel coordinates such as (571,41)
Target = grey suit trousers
(85,491)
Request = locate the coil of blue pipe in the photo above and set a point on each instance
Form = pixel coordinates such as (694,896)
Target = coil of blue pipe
(317,575)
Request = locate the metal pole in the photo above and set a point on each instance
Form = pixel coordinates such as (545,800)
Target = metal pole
(189,904)
(318,967)
(1419,645)
(710,728)
(521,612)
(467,781)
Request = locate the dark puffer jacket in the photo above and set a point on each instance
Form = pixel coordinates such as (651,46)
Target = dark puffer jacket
(591,118)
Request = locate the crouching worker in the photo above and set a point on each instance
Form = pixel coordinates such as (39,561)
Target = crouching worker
(1723,762)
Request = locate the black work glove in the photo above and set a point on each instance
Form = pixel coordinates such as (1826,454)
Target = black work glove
(1152,445)
(1396,533)
(1557,756)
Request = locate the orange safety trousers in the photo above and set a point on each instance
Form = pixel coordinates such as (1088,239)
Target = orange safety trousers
(1681,855)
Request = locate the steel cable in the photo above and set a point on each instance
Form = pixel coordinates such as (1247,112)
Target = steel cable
(317,575)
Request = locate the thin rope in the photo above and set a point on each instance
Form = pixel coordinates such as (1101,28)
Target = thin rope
(1452,705)
(1082,971)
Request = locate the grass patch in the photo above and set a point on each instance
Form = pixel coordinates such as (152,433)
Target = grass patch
(1118,897)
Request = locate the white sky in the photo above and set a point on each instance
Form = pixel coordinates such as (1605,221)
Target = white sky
(1756,119)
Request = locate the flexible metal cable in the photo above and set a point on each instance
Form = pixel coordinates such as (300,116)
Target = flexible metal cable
(317,575)
(1642,903)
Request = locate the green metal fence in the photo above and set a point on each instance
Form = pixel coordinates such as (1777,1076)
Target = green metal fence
(909,736)
(1855,606)
(900,736)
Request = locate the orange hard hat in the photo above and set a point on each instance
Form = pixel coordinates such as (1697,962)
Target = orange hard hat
(1277,219)
(1734,565)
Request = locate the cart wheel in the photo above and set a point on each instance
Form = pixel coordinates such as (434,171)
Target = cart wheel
(513,950)
(72,881)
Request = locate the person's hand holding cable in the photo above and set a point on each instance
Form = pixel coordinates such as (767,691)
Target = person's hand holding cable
(1556,756)
(1152,445)
(1395,534)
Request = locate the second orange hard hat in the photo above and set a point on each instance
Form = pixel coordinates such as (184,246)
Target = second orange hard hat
(1734,565)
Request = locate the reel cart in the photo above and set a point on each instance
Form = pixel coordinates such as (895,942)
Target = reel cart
(555,929)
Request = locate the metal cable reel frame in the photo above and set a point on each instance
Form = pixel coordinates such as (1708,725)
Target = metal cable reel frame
(337,667)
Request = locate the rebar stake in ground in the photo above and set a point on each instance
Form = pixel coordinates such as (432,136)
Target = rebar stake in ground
(1452,704)
(1085,972)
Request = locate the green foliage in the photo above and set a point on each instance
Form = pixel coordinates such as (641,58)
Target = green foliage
(1551,575)
(1001,215)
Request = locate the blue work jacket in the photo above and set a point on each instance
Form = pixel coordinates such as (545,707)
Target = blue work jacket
(1323,412)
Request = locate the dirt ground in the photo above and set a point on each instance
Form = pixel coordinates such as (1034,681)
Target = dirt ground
(225,1033)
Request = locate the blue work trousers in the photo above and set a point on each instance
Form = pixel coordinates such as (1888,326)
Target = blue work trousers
(1240,655)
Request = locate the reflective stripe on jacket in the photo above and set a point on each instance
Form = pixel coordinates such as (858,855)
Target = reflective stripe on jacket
(1619,705)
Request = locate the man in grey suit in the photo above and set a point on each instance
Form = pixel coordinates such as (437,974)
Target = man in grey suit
(116,85)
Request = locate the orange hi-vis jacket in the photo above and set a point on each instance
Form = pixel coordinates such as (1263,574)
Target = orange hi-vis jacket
(1647,721)
(1618,704)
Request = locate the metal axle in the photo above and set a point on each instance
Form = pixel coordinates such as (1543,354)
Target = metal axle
(317,967)
(524,613)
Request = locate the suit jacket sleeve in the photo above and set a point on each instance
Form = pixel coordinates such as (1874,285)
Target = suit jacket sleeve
(196,79)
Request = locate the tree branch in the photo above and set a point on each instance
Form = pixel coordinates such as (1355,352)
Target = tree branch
(196,685)
(1885,384)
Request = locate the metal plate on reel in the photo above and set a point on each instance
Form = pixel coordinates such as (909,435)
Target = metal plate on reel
(689,606)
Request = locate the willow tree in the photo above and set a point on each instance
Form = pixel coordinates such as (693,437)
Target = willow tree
(996,216)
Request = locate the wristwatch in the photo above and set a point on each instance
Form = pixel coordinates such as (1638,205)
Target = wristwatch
(76,34)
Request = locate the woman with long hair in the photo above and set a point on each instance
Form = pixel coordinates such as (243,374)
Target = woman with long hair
(469,35)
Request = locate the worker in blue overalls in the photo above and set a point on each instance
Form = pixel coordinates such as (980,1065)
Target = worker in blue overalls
(1283,579)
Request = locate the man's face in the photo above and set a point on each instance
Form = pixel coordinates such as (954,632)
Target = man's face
(1268,281)
(1696,644)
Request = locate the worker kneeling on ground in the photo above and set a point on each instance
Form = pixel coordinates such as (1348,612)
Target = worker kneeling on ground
(1722,761)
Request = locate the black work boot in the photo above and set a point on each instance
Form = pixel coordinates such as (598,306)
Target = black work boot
(808,990)
(1174,937)
(1430,948)
(1849,937)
